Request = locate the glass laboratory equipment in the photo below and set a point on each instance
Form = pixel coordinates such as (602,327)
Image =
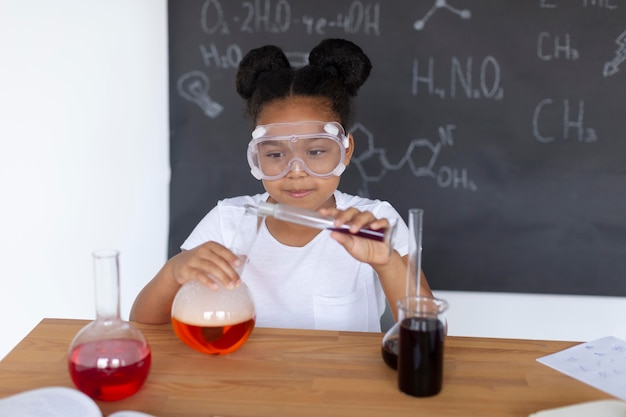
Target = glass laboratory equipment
(420,345)
(109,359)
(312,218)
(389,349)
(218,321)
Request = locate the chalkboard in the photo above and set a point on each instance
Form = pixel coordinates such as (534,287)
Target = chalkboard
(504,120)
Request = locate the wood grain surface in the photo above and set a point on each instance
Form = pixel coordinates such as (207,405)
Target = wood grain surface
(301,373)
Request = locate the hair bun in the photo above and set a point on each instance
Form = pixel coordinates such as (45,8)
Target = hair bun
(345,60)
(255,64)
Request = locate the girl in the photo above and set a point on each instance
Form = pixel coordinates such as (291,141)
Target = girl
(299,277)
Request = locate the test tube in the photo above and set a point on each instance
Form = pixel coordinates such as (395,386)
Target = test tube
(312,218)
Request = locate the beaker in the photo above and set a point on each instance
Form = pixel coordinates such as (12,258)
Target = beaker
(108,359)
(218,321)
(420,345)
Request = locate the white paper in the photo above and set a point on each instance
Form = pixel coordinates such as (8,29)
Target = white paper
(600,363)
(130,414)
(55,402)
(49,402)
(620,332)
(600,408)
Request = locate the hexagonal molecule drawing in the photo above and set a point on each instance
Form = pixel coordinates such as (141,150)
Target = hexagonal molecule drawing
(421,158)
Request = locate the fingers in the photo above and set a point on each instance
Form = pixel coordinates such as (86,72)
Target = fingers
(356,219)
(372,251)
(211,264)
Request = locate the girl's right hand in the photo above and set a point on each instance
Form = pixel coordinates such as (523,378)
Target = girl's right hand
(210,263)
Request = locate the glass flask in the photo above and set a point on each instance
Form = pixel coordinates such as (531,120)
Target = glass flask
(108,359)
(389,349)
(218,321)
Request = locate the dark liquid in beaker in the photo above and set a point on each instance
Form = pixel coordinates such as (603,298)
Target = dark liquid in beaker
(389,352)
(377,235)
(420,356)
(110,369)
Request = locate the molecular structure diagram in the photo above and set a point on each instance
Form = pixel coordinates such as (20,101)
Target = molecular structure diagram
(440,4)
(421,158)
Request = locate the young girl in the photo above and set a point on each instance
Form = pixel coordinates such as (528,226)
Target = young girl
(299,277)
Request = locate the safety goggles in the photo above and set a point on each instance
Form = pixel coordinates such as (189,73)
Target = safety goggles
(318,148)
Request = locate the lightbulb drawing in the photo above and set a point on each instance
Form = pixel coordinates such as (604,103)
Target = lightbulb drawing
(297,59)
(194,86)
(612,67)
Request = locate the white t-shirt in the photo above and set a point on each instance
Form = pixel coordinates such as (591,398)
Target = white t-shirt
(317,286)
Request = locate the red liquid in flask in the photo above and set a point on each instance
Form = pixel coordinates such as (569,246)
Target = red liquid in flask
(110,369)
(214,340)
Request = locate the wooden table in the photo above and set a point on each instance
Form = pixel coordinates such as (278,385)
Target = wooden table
(302,373)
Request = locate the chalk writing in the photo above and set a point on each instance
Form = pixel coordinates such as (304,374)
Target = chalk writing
(421,156)
(569,122)
(263,16)
(213,57)
(297,59)
(551,47)
(463,79)
(212,18)
(546,4)
(359,18)
(601,4)
(438,5)
(278,17)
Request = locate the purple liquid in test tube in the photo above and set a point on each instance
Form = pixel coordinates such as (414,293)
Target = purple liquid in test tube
(312,218)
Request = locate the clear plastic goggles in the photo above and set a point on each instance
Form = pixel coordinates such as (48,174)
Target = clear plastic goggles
(319,148)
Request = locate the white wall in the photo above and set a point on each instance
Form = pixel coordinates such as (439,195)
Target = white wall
(84,165)
(84,152)
(533,316)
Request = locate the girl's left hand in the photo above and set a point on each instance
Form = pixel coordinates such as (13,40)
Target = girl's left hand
(362,249)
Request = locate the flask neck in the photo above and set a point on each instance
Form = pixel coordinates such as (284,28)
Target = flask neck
(107,284)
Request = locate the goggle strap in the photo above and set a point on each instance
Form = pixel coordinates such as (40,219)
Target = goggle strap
(256,172)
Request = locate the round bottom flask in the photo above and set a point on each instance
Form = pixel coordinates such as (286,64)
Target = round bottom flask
(108,359)
(389,349)
(219,322)
(215,322)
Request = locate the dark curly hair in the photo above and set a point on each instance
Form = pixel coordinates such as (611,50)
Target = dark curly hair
(337,69)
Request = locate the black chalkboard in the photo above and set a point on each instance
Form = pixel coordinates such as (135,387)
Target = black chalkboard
(504,120)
